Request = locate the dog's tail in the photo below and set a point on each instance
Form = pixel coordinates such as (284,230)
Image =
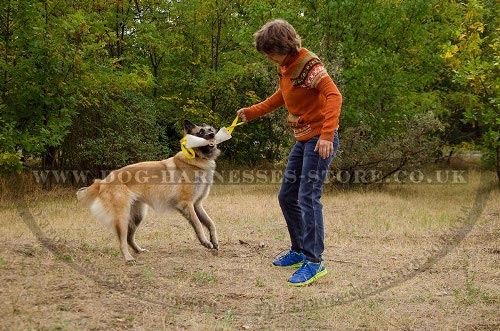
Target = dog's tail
(87,195)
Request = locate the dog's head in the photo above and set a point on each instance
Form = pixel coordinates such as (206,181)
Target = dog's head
(204,131)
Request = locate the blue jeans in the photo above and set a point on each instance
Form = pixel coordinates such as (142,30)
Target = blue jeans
(300,194)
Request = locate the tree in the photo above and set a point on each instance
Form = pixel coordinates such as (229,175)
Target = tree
(471,56)
(83,75)
(39,69)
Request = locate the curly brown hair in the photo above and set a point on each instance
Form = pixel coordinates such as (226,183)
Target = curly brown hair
(277,37)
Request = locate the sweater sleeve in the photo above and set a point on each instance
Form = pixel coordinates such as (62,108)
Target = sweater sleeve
(274,101)
(331,112)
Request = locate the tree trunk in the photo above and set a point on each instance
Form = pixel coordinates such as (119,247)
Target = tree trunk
(498,162)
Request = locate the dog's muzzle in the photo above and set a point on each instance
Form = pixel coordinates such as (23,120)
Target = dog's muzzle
(194,141)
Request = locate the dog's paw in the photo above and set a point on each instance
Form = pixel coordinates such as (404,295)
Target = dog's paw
(142,250)
(128,257)
(215,246)
(208,244)
(131,261)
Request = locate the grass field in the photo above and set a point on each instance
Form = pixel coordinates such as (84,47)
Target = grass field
(399,257)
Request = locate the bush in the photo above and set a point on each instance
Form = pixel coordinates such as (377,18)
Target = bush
(122,130)
(402,149)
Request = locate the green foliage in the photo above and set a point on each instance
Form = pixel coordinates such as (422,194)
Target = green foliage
(38,84)
(99,84)
(121,128)
(380,54)
(10,162)
(471,55)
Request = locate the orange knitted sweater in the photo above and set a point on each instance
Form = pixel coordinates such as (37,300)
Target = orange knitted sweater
(310,95)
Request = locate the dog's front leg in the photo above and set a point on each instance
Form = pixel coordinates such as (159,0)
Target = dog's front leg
(187,210)
(207,221)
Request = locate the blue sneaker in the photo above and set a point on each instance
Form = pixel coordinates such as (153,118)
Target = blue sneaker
(292,259)
(307,274)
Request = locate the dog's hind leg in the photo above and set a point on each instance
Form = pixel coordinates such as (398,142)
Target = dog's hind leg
(121,227)
(187,210)
(137,214)
(112,208)
(207,221)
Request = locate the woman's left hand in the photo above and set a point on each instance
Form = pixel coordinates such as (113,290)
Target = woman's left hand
(324,148)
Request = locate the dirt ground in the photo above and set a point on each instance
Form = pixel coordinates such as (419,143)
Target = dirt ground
(402,257)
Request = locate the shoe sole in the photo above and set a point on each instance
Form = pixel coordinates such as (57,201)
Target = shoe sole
(310,280)
(292,266)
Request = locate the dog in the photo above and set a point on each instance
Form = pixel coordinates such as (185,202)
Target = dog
(120,201)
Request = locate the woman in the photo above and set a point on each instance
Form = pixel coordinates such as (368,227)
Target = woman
(313,103)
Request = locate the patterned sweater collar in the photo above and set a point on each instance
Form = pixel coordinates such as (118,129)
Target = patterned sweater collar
(291,61)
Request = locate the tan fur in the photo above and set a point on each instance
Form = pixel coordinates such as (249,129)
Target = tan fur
(120,200)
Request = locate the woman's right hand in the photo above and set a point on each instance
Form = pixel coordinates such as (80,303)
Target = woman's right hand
(241,114)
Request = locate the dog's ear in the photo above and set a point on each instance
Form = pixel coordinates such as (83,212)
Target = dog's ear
(188,126)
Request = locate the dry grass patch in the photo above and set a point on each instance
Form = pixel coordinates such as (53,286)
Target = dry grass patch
(76,279)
